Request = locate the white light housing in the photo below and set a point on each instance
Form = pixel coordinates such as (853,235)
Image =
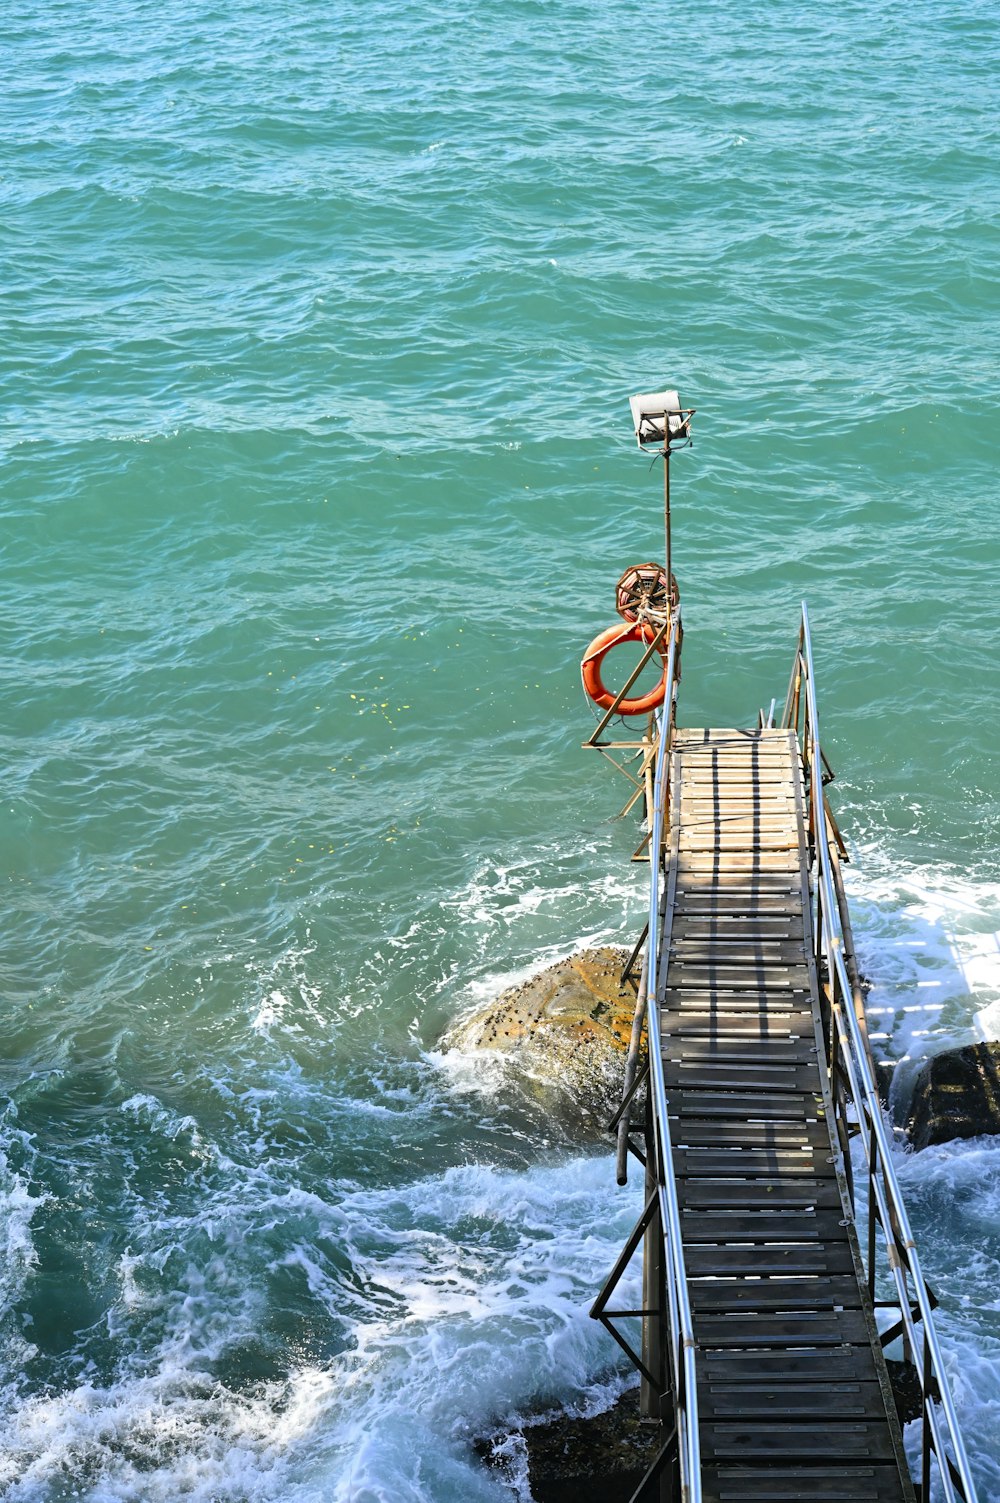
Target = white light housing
(658,417)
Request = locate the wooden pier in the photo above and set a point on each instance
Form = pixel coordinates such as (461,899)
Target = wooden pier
(793,1397)
(761,1357)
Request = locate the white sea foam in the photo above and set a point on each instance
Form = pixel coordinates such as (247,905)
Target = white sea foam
(928,941)
(470,1296)
(525,914)
(18,1258)
(283,996)
(17,1249)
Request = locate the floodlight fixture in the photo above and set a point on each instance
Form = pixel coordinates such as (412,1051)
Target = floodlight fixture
(658,418)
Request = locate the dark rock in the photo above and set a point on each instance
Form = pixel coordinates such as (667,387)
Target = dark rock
(956,1095)
(600,1459)
(885,1069)
(564,1032)
(603,1458)
(905,1381)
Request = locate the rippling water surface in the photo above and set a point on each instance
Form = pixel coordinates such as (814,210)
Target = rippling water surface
(319,325)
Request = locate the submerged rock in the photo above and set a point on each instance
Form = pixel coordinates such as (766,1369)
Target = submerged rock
(565,1030)
(956,1095)
(599,1459)
(906,1391)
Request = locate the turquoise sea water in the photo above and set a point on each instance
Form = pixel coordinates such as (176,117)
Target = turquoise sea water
(319,323)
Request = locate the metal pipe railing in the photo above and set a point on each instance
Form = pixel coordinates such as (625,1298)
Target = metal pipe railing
(683,1348)
(848,1050)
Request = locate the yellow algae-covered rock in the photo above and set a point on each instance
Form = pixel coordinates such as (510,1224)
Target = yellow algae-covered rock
(566,1028)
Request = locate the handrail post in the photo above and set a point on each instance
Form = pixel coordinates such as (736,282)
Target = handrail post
(873,1165)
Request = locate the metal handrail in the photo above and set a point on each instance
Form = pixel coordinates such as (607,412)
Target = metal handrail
(683,1348)
(853,1085)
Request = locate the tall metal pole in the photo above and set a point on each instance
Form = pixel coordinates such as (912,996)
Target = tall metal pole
(666,503)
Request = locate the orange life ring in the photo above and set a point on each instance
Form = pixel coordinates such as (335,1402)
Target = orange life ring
(596,653)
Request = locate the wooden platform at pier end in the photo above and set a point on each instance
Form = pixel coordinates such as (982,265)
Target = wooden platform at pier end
(793,1399)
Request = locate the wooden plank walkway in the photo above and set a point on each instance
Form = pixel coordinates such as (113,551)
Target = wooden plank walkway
(792,1389)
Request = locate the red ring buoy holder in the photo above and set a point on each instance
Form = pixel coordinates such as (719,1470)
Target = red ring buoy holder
(598,650)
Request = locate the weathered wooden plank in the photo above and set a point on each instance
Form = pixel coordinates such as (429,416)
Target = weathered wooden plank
(695,735)
(745,835)
(749,999)
(704,1194)
(771,1258)
(755,801)
(740,971)
(738,834)
(741,826)
(730,761)
(742,904)
(728,927)
(753,794)
(801,1328)
(870,1483)
(799,1162)
(700,949)
(762,1226)
(729,1027)
(741,955)
(698,734)
(744,862)
(719,1295)
(770,1137)
(726,845)
(745,825)
(750,796)
(696,800)
(734,977)
(732,745)
(714,1050)
(766,1400)
(747,1081)
(735,775)
(776,1106)
(752,751)
(685,751)
(738,881)
(728,863)
(812,1442)
(736,817)
(771,775)
(836,1365)
(733,903)
(752,791)
(746,979)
